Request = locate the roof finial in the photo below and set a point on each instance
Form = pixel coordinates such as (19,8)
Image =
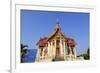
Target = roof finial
(57,25)
(57,21)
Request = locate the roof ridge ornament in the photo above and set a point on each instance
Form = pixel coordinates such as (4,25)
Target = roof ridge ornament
(57,25)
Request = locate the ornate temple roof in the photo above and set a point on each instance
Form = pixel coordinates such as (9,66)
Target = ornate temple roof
(69,41)
(57,29)
(57,26)
(42,42)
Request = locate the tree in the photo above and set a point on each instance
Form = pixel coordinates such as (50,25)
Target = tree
(87,55)
(23,52)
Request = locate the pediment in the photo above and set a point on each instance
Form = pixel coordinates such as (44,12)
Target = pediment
(57,35)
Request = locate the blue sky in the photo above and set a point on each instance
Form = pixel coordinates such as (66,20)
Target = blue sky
(36,24)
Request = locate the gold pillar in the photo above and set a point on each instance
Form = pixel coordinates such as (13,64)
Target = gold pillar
(75,52)
(70,50)
(61,48)
(64,50)
(51,48)
(48,48)
(54,49)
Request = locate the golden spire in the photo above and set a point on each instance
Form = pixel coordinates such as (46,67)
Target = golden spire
(57,25)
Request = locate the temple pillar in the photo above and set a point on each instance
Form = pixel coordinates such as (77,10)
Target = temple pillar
(70,50)
(48,48)
(51,48)
(41,54)
(38,54)
(75,52)
(70,53)
(64,50)
(54,49)
(61,47)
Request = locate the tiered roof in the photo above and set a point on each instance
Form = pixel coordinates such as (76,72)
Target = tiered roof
(42,42)
(69,41)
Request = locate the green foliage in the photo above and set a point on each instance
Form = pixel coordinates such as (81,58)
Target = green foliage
(87,55)
(23,52)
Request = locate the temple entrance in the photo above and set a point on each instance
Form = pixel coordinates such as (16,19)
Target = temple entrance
(58,47)
(57,52)
(58,55)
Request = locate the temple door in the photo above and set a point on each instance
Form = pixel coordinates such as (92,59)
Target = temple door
(57,53)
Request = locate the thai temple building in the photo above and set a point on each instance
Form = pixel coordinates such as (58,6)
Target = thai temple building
(56,47)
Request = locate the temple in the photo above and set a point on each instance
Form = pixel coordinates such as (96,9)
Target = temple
(56,47)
